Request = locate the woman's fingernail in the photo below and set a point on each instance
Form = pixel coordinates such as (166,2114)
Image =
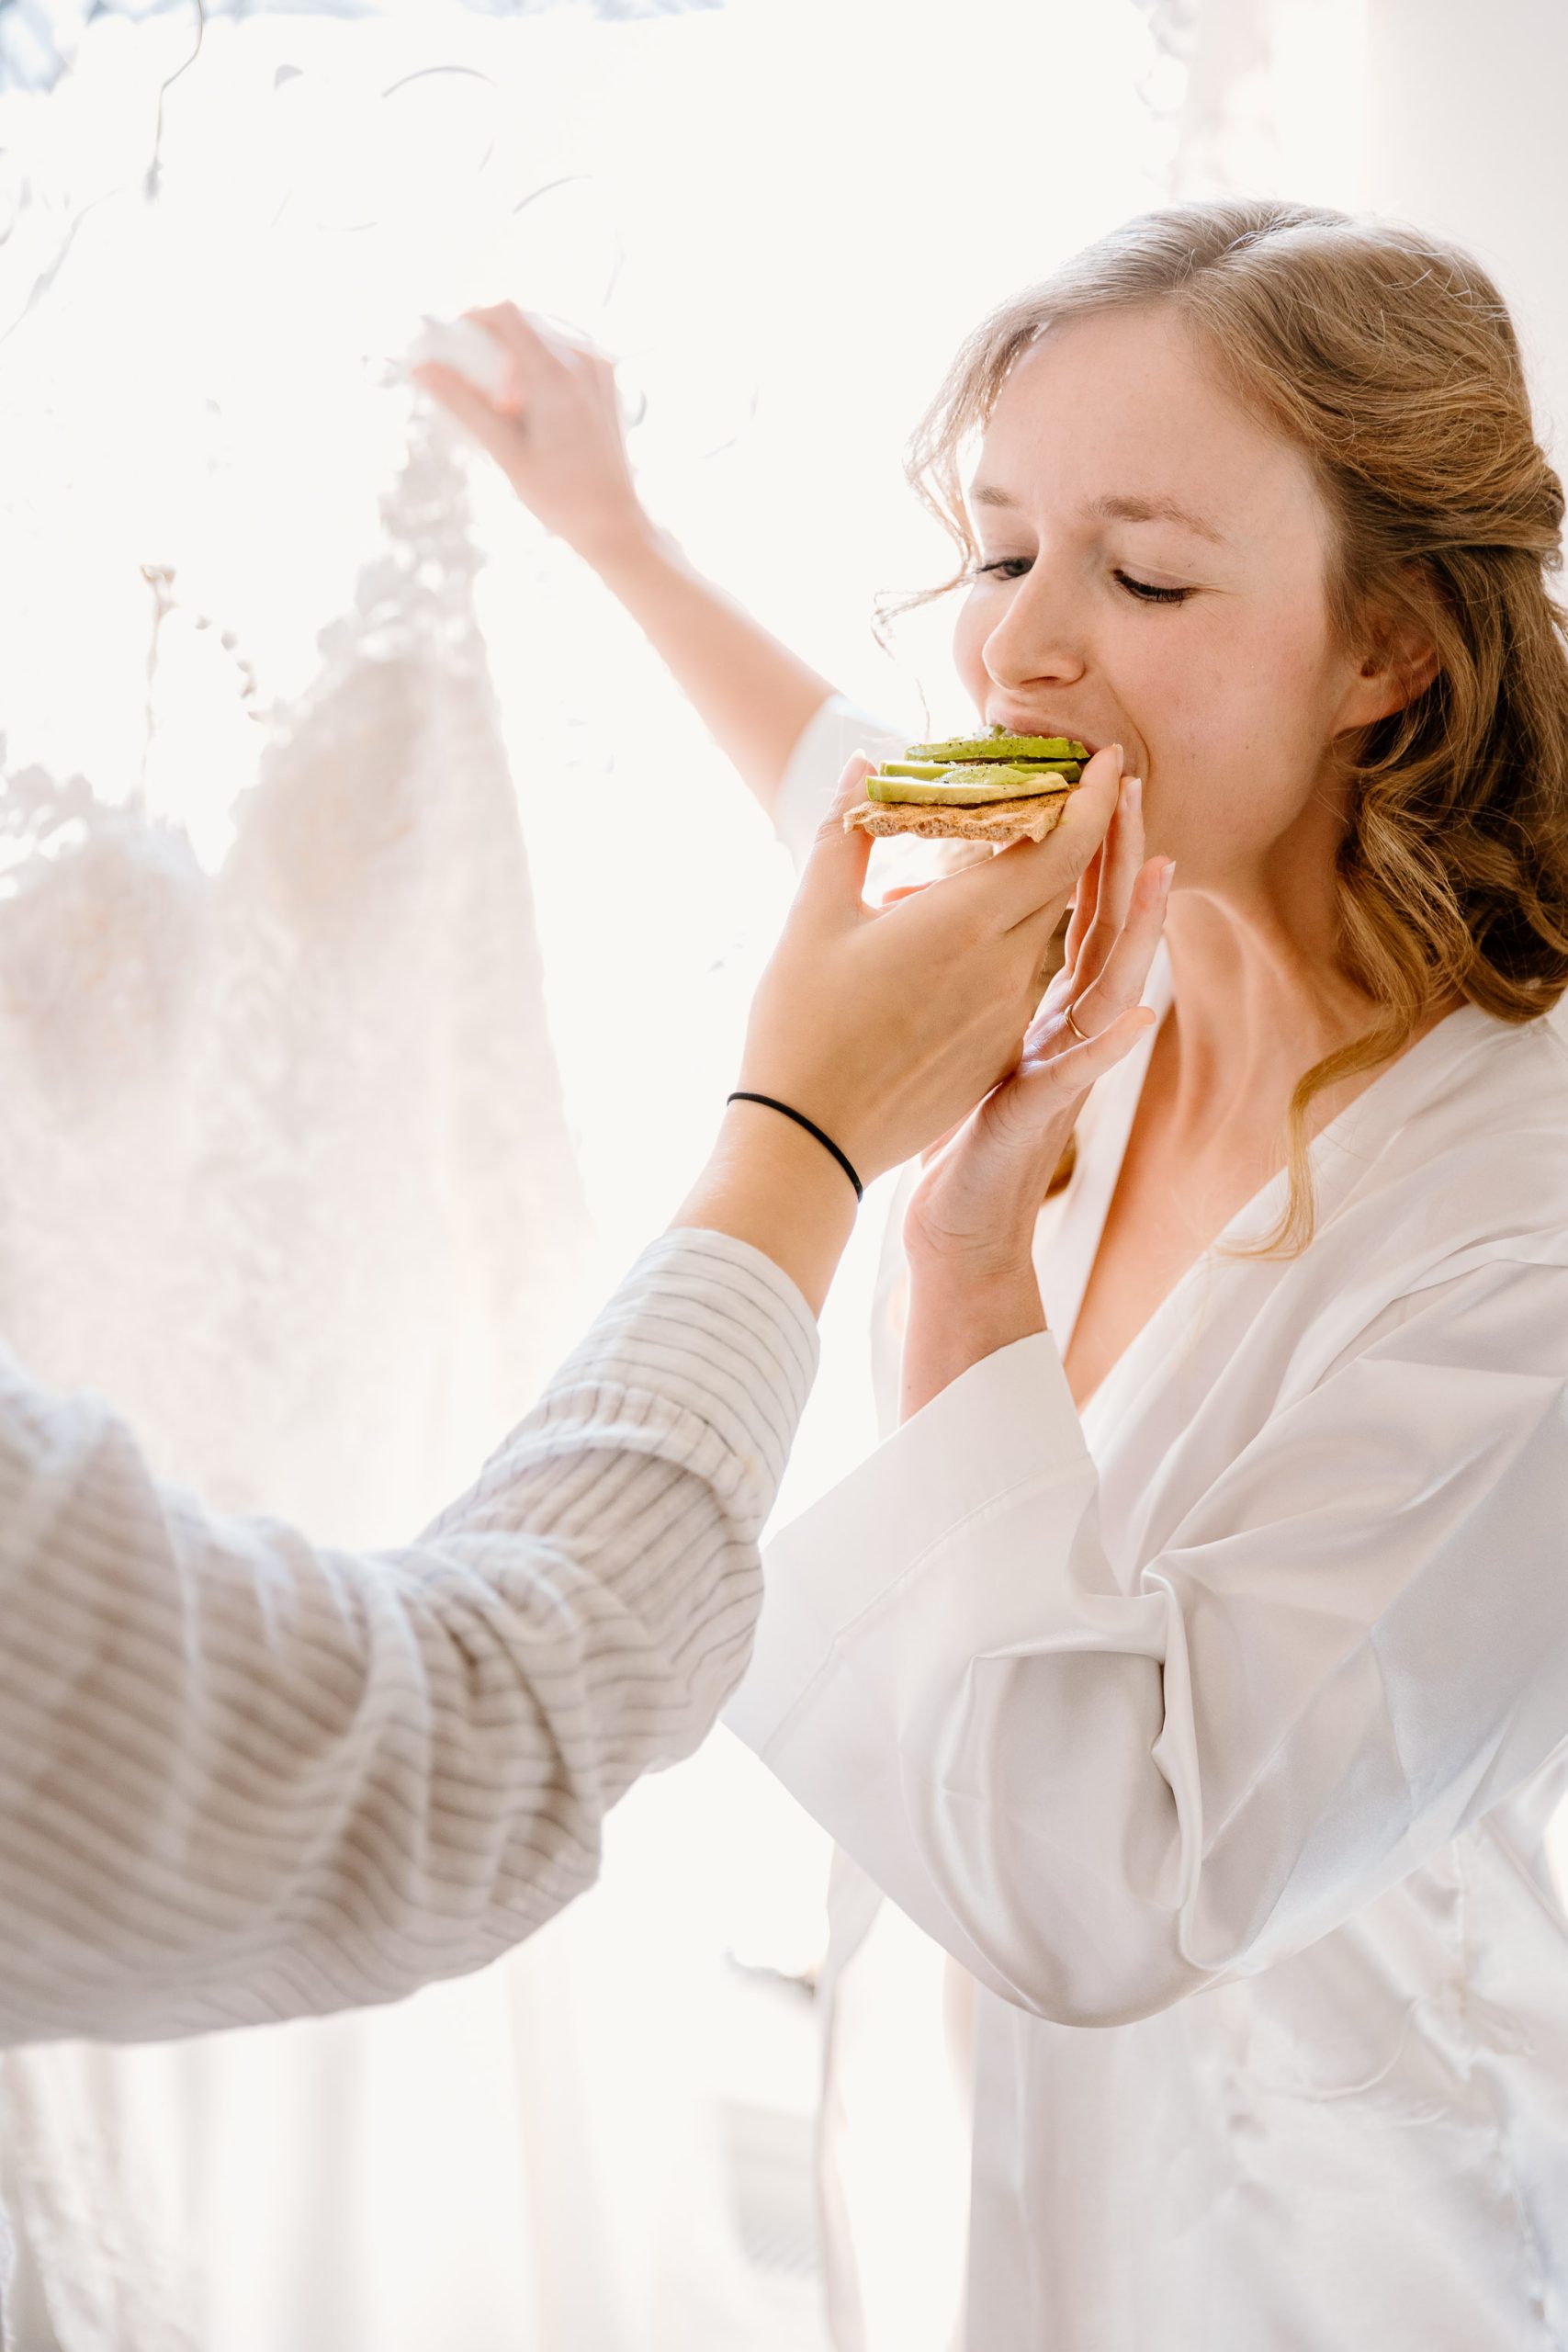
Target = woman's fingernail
(1118,754)
(1169,877)
(1132,791)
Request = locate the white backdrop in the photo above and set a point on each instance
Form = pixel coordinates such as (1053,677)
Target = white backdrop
(784,216)
(1466,110)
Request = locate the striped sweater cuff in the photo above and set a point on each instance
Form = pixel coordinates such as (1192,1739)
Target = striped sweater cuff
(719,1330)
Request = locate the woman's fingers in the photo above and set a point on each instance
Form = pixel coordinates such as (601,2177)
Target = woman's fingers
(1126,852)
(834,874)
(554,427)
(1125,970)
(1043,1086)
(1091,813)
(529,353)
(1035,1108)
(1083,910)
(494,430)
(1018,883)
(1121,865)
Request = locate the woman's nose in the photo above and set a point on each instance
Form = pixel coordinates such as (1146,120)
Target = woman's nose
(1035,640)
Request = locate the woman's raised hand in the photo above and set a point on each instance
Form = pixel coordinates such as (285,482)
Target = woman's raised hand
(554,429)
(973,1214)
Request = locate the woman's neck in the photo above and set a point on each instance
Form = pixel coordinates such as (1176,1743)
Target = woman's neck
(1258,999)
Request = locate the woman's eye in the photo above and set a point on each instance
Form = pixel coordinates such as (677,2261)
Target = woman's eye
(1148,594)
(1013,567)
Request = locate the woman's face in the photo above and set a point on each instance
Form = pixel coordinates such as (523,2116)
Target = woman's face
(1153,573)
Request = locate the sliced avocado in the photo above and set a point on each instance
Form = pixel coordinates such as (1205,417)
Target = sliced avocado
(1000,747)
(970,787)
(933,770)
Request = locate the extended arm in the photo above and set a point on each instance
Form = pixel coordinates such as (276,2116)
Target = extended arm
(556,432)
(244,1777)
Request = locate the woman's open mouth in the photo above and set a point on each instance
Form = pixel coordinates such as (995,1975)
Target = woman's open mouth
(1026,724)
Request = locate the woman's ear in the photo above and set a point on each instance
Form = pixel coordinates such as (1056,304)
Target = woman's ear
(1398,661)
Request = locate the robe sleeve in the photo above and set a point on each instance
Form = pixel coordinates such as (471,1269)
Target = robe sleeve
(1101,1798)
(836,730)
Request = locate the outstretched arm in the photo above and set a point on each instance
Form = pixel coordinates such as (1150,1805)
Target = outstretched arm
(555,430)
(244,1776)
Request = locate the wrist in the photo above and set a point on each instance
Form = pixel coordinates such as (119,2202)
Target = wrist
(808,1126)
(622,542)
(1003,1298)
(955,1323)
(992,1263)
(770,1183)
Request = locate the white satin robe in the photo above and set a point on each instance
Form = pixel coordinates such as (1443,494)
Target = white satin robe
(1215,1735)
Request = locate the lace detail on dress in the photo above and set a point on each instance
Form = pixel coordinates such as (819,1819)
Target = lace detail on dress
(288,1172)
(285,1169)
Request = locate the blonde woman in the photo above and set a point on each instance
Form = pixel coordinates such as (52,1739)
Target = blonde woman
(1192,1664)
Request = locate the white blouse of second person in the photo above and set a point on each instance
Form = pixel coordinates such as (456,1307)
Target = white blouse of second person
(1208,1743)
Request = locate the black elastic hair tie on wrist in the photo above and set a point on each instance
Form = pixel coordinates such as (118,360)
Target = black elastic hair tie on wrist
(811,1127)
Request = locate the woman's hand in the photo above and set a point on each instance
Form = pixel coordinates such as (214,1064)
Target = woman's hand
(979,1196)
(556,434)
(555,431)
(970,1227)
(885,1026)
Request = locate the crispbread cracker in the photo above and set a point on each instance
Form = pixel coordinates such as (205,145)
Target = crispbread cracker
(1002,821)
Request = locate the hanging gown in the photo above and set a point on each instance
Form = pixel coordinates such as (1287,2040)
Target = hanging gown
(285,1175)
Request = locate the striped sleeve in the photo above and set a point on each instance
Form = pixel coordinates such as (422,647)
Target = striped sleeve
(244,1777)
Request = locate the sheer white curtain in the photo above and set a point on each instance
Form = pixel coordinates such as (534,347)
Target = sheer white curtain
(262,989)
(286,1127)
(1442,77)
(1425,110)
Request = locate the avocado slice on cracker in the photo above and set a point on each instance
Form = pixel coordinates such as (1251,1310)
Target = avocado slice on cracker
(993,787)
(970,786)
(997,746)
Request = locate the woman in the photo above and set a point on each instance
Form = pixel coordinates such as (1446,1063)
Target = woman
(1205,1702)
(1193,1666)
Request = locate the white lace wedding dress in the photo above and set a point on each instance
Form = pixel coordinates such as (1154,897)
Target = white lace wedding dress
(284,1171)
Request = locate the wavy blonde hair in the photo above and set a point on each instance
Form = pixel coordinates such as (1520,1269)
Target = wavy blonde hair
(1390,359)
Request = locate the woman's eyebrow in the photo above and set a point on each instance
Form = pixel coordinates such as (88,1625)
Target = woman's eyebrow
(1155,510)
(1116,510)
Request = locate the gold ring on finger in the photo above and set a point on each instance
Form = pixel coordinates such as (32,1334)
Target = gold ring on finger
(1081,1035)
